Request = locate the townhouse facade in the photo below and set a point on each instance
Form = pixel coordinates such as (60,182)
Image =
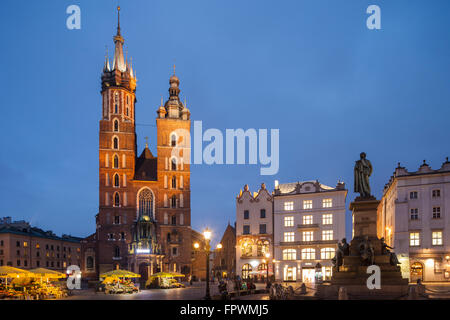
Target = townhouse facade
(309,220)
(414,218)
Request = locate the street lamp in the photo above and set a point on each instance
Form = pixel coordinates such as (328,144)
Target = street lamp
(267,266)
(207,235)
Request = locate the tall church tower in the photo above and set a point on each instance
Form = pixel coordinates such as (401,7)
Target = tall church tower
(144,218)
(117,154)
(173,146)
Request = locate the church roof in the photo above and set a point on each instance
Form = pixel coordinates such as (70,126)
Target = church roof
(146,166)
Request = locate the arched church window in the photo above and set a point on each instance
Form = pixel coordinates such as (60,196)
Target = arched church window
(116,252)
(174,220)
(90,262)
(116,199)
(116,103)
(116,143)
(116,180)
(174,164)
(173,140)
(146,203)
(116,125)
(116,161)
(174,201)
(174,182)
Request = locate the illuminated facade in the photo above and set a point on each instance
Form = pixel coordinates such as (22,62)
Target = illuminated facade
(254,233)
(413,217)
(144,217)
(309,220)
(26,247)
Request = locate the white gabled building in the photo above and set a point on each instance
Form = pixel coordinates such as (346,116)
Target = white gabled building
(254,233)
(309,220)
(414,218)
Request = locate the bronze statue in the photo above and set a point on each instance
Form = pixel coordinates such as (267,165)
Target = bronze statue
(367,252)
(339,255)
(362,172)
(345,247)
(393,260)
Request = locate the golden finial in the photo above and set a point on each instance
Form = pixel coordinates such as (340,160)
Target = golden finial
(174,69)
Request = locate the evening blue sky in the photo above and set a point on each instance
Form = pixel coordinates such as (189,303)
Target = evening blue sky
(309,68)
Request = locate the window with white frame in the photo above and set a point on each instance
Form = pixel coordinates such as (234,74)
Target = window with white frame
(308,236)
(436,212)
(327,203)
(307,204)
(308,219)
(414,239)
(289,221)
(413,195)
(289,237)
(289,254)
(327,253)
(436,193)
(327,235)
(289,206)
(308,254)
(436,238)
(414,214)
(327,218)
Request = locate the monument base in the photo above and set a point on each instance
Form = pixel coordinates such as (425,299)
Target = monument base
(352,274)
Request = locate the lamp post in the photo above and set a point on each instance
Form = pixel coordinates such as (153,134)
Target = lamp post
(267,266)
(207,235)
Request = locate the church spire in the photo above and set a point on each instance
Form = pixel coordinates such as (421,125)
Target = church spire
(118,61)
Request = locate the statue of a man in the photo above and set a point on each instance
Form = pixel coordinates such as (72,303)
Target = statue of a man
(363,170)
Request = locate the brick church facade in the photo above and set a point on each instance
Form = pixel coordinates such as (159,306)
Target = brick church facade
(144,217)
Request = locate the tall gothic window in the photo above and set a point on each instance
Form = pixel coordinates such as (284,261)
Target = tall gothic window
(116,161)
(116,252)
(116,180)
(174,182)
(174,164)
(116,199)
(116,125)
(116,103)
(174,201)
(116,143)
(146,203)
(173,140)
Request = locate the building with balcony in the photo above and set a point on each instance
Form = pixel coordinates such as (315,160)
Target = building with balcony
(309,220)
(414,218)
(254,233)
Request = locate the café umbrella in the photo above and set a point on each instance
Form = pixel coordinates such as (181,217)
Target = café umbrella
(120,274)
(11,272)
(43,273)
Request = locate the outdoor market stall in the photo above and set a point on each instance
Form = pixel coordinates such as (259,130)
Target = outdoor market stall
(118,281)
(165,280)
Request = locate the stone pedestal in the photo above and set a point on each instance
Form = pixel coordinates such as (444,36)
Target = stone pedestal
(353,274)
